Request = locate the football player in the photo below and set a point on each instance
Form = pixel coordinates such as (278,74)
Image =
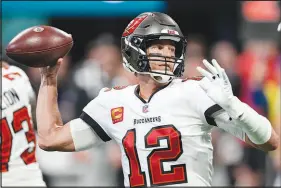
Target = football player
(162,125)
(18,143)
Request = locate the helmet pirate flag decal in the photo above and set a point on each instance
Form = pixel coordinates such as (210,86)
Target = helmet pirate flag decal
(133,25)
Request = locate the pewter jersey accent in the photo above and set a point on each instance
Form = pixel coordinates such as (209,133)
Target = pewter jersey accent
(165,141)
(18,162)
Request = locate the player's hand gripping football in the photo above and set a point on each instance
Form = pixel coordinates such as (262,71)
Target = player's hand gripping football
(217,86)
(51,71)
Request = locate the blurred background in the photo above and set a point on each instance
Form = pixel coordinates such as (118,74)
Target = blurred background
(242,36)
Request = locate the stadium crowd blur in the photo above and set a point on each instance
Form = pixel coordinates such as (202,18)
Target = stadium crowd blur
(253,69)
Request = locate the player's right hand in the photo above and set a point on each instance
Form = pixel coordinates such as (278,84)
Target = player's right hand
(51,71)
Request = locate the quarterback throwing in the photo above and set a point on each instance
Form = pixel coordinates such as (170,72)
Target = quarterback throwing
(162,125)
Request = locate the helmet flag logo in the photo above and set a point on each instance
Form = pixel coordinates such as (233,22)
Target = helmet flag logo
(133,25)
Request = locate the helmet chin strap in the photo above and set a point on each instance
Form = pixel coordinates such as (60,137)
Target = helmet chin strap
(160,78)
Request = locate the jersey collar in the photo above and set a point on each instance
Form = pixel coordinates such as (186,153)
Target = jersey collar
(137,91)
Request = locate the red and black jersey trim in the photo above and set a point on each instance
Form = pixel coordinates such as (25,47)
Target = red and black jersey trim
(96,127)
(210,112)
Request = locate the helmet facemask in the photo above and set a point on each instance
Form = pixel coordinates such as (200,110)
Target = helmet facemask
(136,52)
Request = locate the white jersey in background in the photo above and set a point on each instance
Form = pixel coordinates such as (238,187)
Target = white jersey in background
(18,161)
(164,141)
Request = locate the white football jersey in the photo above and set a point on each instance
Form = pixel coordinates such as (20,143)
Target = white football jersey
(164,141)
(18,161)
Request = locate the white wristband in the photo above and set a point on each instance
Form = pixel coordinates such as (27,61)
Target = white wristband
(257,127)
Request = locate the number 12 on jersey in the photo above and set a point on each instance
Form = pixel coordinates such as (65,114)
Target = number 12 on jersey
(155,159)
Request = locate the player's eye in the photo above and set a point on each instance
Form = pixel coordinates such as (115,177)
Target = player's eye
(157,47)
(173,49)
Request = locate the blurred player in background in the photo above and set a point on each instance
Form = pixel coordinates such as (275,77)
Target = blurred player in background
(162,125)
(18,142)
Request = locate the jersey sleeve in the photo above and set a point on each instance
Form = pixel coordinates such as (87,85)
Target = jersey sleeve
(84,137)
(204,105)
(97,116)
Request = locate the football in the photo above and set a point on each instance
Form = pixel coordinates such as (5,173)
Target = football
(39,46)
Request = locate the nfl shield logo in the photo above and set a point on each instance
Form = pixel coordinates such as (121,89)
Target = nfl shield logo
(145,109)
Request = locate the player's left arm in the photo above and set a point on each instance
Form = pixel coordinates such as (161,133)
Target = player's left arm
(258,130)
(234,127)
